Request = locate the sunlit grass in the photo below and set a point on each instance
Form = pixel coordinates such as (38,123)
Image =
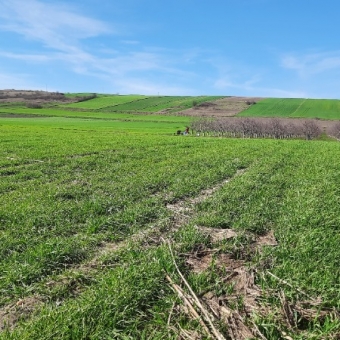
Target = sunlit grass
(68,186)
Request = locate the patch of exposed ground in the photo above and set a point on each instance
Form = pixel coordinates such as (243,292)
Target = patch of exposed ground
(34,97)
(237,307)
(233,308)
(225,107)
(11,314)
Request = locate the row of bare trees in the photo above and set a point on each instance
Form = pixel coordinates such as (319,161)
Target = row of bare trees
(253,128)
(42,96)
(32,95)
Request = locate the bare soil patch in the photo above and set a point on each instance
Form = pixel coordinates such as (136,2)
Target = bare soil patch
(22,309)
(225,107)
(237,308)
(34,97)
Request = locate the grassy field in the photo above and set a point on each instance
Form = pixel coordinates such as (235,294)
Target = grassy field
(100,218)
(295,108)
(137,103)
(104,101)
(52,112)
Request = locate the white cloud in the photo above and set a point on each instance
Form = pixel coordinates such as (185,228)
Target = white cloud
(251,87)
(311,64)
(61,29)
(137,85)
(56,26)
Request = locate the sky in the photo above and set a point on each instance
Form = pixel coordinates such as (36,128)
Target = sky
(265,48)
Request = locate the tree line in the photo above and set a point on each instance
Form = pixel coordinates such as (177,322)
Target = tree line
(254,128)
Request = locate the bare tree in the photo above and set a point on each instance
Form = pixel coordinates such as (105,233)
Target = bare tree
(311,129)
(253,128)
(335,130)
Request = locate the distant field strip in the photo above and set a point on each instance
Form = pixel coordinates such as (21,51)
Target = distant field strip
(168,125)
(134,103)
(101,102)
(295,108)
(154,104)
(53,112)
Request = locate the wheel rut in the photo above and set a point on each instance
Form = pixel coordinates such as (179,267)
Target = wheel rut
(182,211)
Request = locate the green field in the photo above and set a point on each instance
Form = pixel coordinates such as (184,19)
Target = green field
(137,103)
(104,101)
(52,112)
(295,108)
(89,205)
(113,107)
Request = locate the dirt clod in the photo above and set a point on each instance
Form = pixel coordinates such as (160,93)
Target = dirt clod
(11,314)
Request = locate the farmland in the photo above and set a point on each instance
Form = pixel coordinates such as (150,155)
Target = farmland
(136,103)
(295,108)
(102,213)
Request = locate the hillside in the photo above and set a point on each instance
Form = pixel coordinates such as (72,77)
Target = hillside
(113,226)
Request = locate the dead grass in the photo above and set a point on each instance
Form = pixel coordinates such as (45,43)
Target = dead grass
(236,309)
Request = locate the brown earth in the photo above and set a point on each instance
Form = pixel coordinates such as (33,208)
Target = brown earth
(33,97)
(225,107)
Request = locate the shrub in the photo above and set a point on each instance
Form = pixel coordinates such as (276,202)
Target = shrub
(85,98)
(34,106)
(335,130)
(311,129)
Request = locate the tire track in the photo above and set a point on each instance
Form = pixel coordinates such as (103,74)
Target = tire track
(182,212)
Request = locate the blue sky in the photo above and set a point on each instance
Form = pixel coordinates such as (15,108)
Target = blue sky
(267,48)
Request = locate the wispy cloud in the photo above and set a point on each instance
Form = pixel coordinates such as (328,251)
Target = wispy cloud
(126,64)
(61,31)
(254,87)
(26,57)
(137,85)
(311,64)
(57,26)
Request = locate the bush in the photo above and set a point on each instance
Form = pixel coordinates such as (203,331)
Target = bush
(34,106)
(335,130)
(85,98)
(310,129)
